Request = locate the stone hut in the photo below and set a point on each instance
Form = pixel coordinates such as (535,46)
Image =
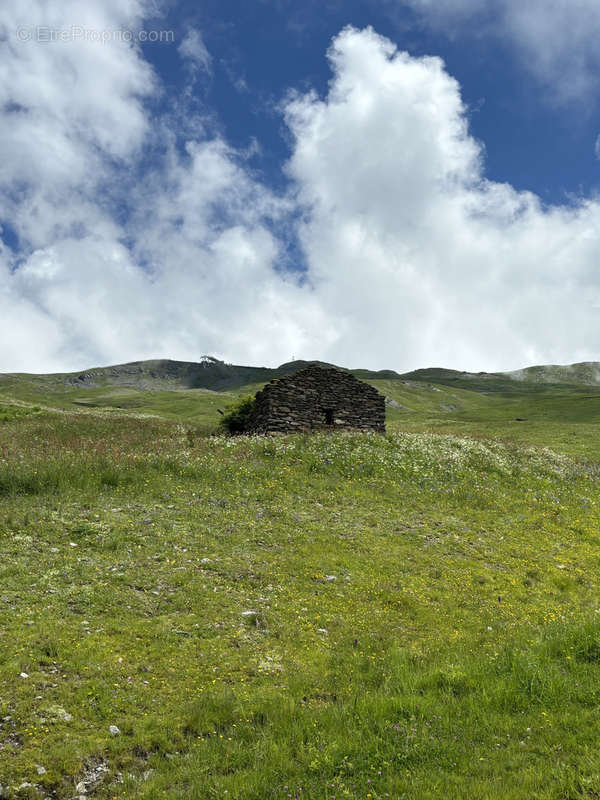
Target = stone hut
(317,398)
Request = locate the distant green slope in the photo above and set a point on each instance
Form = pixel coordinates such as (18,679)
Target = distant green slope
(525,381)
(528,409)
(209,373)
(585,372)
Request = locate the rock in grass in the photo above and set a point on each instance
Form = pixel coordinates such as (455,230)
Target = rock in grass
(58,712)
(270,666)
(40,770)
(113,730)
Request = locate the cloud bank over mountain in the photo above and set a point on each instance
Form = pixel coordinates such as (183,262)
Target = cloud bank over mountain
(122,242)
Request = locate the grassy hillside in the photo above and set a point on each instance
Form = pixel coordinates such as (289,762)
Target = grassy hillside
(335,616)
(562,416)
(328,616)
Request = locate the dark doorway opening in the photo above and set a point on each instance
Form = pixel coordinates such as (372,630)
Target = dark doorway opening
(329,416)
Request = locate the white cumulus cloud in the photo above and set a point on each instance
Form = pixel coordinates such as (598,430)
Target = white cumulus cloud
(412,257)
(123,256)
(420,258)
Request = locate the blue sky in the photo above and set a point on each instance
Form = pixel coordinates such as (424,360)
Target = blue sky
(391,184)
(532,141)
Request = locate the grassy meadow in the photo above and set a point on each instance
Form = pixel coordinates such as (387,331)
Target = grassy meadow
(333,616)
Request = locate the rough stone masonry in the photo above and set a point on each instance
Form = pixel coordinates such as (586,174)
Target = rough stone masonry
(317,398)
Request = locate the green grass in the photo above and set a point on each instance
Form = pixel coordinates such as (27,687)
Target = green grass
(197,406)
(348,616)
(11,412)
(456,651)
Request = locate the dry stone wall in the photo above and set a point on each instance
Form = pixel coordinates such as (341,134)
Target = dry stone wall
(317,398)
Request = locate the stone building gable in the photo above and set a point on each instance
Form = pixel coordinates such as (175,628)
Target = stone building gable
(317,398)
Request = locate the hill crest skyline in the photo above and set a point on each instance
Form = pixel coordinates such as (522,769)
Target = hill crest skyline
(213,373)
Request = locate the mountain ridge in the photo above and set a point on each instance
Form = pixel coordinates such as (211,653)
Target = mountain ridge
(216,375)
